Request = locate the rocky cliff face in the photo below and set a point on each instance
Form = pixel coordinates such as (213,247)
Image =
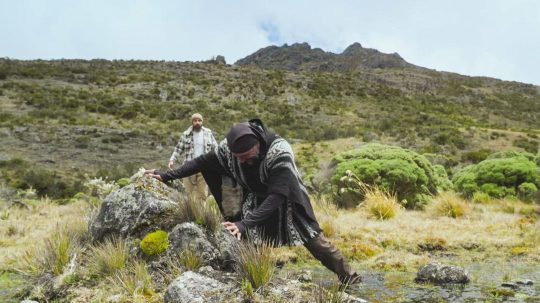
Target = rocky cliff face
(300,56)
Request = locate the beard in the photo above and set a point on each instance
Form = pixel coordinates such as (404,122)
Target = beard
(253,161)
(197,127)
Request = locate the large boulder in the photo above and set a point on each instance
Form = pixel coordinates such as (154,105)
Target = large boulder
(441,274)
(135,210)
(191,287)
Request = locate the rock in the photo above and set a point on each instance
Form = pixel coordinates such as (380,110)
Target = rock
(441,274)
(192,287)
(134,210)
(29,301)
(305,276)
(510,285)
(190,236)
(525,282)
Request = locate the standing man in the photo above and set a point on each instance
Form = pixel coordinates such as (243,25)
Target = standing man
(275,205)
(195,141)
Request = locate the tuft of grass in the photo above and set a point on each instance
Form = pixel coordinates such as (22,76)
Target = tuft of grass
(481,198)
(134,280)
(380,204)
(52,257)
(335,293)
(256,263)
(329,228)
(362,251)
(205,213)
(451,205)
(190,260)
(108,258)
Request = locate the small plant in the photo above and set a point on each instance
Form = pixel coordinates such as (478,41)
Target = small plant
(481,198)
(108,257)
(256,263)
(190,260)
(246,288)
(449,204)
(333,294)
(98,187)
(362,251)
(134,280)
(381,204)
(328,227)
(203,213)
(155,243)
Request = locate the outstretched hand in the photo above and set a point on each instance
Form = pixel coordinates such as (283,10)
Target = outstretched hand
(233,229)
(152,173)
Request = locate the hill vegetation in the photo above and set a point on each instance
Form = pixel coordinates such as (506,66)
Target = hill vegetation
(63,119)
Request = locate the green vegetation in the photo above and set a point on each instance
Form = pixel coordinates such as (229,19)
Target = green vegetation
(500,177)
(155,242)
(396,170)
(256,263)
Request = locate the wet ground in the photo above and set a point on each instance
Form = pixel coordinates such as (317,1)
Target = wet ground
(485,286)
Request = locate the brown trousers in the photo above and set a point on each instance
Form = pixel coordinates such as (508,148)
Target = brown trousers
(332,258)
(196,187)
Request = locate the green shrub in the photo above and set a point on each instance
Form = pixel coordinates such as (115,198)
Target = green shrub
(395,170)
(122,182)
(527,191)
(481,198)
(476,156)
(155,243)
(498,177)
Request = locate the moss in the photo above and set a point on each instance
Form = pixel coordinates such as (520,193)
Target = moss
(122,182)
(155,242)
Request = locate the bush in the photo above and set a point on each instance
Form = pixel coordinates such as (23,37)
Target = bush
(527,191)
(481,198)
(155,243)
(256,263)
(395,170)
(498,177)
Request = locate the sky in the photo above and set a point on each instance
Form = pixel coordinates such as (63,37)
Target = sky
(496,38)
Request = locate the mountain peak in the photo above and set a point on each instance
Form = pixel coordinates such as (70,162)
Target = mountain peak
(300,56)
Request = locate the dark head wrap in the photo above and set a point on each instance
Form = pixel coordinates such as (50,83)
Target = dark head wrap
(241,138)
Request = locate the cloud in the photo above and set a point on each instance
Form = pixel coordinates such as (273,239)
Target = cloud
(492,38)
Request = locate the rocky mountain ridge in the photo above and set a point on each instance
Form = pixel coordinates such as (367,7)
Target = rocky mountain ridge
(300,56)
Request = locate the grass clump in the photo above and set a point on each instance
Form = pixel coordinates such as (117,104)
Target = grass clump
(190,260)
(204,213)
(451,205)
(379,203)
(155,243)
(335,293)
(108,258)
(481,198)
(134,280)
(256,263)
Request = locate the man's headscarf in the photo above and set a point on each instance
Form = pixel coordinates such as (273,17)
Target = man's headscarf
(241,138)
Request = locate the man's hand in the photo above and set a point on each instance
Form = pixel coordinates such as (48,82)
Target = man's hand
(233,229)
(152,173)
(171,163)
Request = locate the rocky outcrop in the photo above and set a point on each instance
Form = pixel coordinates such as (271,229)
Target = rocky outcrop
(442,274)
(134,210)
(300,56)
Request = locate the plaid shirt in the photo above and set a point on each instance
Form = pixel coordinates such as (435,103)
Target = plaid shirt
(185,144)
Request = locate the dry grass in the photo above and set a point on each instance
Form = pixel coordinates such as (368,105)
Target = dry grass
(190,259)
(134,280)
(38,223)
(380,204)
(451,205)
(107,258)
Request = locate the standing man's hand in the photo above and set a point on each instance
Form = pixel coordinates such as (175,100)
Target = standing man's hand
(233,229)
(152,173)
(171,163)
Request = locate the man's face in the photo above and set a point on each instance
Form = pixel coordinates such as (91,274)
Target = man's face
(197,123)
(250,156)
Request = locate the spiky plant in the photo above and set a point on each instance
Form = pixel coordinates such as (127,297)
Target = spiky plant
(256,263)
